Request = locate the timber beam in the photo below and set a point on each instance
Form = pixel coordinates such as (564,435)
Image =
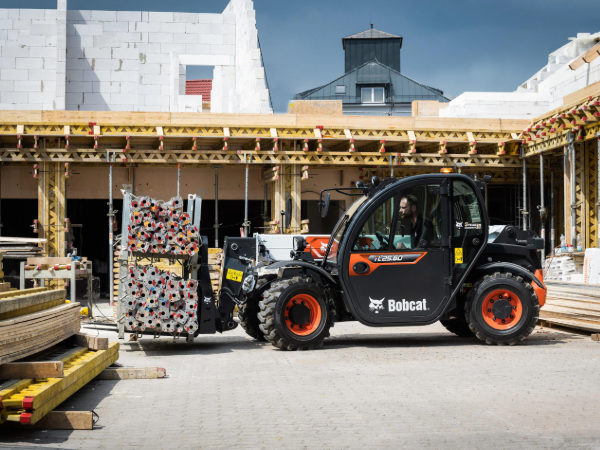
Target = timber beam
(285,139)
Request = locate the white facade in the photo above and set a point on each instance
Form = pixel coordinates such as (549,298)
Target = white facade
(129,60)
(541,93)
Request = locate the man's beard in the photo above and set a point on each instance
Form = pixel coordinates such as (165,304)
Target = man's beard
(405,216)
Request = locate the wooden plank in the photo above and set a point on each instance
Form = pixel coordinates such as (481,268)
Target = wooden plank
(22,370)
(91,342)
(132,373)
(66,420)
(49,261)
(27,240)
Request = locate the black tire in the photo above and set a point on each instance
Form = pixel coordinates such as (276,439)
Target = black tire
(273,314)
(248,315)
(529,304)
(458,327)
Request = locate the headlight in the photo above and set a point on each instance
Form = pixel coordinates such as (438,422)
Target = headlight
(248,284)
(299,244)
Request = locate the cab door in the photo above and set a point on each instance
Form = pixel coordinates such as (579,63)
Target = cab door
(398,263)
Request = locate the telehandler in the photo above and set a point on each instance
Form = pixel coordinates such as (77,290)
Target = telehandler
(407,252)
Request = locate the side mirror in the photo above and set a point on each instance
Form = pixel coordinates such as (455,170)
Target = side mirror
(324,207)
(487,179)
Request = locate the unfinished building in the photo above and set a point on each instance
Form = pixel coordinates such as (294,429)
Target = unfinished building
(56,59)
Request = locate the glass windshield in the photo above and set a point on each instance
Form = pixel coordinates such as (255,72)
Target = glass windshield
(338,231)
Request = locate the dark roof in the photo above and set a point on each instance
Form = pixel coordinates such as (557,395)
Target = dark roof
(373,72)
(371,34)
(199,87)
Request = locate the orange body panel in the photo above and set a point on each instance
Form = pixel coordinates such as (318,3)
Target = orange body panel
(364,257)
(541,293)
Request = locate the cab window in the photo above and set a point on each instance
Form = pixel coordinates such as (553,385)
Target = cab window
(375,232)
(419,219)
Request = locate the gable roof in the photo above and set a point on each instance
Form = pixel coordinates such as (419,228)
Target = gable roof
(405,89)
(371,34)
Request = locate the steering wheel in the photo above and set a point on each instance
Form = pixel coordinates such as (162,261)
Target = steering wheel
(382,239)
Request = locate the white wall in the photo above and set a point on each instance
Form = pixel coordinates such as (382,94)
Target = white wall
(28,59)
(127,60)
(542,92)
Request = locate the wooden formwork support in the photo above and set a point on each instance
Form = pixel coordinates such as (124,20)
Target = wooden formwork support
(51,207)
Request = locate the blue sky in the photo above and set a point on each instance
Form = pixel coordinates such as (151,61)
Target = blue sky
(455,46)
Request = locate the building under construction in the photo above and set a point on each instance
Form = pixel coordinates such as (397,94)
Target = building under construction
(108,113)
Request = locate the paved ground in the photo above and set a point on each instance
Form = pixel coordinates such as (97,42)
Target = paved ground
(367,388)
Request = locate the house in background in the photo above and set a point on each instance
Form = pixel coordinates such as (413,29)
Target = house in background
(373,84)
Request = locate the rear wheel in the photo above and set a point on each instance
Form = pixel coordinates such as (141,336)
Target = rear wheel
(502,309)
(458,327)
(294,315)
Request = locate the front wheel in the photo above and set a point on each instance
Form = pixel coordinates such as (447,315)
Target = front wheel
(502,309)
(294,315)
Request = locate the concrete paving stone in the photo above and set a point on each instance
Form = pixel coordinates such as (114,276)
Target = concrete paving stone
(367,387)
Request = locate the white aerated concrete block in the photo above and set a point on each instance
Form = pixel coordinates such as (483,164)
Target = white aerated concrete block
(104,16)
(14,74)
(28,86)
(14,97)
(29,63)
(129,16)
(160,17)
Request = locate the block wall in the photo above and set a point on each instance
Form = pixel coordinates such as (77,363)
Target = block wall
(127,60)
(28,58)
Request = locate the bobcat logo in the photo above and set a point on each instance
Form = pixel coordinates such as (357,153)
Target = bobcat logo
(459,225)
(376,305)
(207,300)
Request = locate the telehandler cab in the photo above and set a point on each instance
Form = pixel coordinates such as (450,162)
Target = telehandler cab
(409,251)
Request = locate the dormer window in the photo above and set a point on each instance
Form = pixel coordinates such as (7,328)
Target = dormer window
(373,95)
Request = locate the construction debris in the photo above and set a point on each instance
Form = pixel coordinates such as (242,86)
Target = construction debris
(33,320)
(162,228)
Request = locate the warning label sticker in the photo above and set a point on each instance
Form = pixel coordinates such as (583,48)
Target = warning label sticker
(235,275)
(458,256)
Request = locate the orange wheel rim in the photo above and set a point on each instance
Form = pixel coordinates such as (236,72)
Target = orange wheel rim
(502,309)
(302,314)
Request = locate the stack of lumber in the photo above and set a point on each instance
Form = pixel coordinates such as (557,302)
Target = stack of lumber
(573,305)
(216,262)
(20,248)
(51,381)
(32,320)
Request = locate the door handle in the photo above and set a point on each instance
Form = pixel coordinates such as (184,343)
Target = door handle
(476,242)
(361,267)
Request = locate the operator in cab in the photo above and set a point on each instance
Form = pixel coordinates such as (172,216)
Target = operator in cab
(411,222)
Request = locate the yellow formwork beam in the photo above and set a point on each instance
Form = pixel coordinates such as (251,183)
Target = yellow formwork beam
(34,400)
(23,293)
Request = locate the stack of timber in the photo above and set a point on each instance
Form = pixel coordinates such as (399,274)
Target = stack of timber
(37,387)
(216,262)
(20,248)
(573,305)
(32,320)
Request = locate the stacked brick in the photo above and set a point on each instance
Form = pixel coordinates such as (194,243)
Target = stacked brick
(162,228)
(160,301)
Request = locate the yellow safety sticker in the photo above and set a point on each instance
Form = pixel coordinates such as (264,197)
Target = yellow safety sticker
(234,275)
(458,256)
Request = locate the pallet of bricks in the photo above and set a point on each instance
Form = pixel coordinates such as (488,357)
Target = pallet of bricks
(43,357)
(572,304)
(158,300)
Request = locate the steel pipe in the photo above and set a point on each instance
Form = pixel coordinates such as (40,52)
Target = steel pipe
(542,207)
